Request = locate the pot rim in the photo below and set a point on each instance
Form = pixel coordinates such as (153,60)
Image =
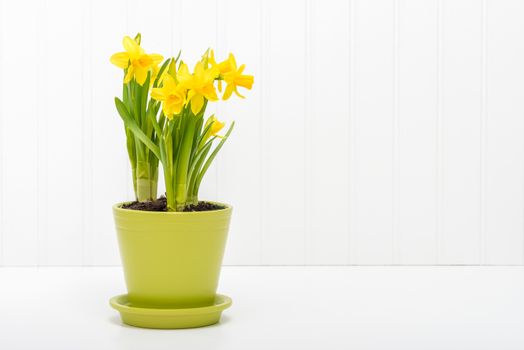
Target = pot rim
(118,208)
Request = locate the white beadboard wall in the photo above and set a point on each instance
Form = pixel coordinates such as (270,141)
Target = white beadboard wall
(378,132)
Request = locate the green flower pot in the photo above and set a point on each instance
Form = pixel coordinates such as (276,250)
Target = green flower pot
(171,260)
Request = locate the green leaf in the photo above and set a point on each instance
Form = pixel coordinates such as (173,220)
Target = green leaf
(196,136)
(152,119)
(161,71)
(203,134)
(131,124)
(200,157)
(196,166)
(143,100)
(212,157)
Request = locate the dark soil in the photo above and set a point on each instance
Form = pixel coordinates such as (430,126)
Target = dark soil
(160,204)
(157,205)
(204,206)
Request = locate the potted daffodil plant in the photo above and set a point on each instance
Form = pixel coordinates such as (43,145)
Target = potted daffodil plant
(172,246)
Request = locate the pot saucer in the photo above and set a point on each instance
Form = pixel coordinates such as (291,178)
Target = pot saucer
(170,318)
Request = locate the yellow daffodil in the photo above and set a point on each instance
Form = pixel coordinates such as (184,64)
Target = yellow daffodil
(219,68)
(199,85)
(173,96)
(235,78)
(216,126)
(135,60)
(222,67)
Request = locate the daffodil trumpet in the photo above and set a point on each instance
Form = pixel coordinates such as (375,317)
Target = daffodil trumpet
(163,109)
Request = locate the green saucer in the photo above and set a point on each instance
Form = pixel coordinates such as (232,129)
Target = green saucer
(170,318)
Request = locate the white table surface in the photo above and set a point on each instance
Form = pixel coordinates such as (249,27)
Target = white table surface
(355,308)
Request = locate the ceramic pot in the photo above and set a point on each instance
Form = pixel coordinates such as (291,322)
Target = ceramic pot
(171,259)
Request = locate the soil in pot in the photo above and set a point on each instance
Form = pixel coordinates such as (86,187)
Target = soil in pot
(160,204)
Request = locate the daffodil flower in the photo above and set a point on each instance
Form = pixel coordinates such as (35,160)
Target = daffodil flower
(173,96)
(214,129)
(199,85)
(164,120)
(235,78)
(219,68)
(135,60)
(222,67)
(217,125)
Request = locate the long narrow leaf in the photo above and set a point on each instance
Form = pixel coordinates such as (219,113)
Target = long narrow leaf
(199,158)
(160,72)
(212,157)
(204,132)
(131,124)
(196,166)
(152,118)
(143,101)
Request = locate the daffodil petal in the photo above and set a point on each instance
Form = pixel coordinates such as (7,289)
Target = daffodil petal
(210,93)
(190,94)
(196,104)
(199,68)
(229,90)
(132,48)
(156,58)
(120,59)
(167,111)
(129,75)
(169,82)
(245,81)
(217,126)
(184,77)
(141,75)
(178,108)
(158,94)
(232,62)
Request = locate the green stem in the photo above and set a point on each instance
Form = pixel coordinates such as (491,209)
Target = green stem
(134,182)
(183,162)
(146,182)
(170,195)
(166,153)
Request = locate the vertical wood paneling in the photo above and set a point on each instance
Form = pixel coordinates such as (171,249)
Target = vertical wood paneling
(328,139)
(377,132)
(417,135)
(87,134)
(352,191)
(156,30)
(42,143)
(374,124)
(461,65)
(505,129)
(264,124)
(1,140)
(284,240)
(239,164)
(110,162)
(20,112)
(439,129)
(62,168)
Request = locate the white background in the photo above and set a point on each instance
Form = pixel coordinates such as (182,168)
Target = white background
(377,132)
